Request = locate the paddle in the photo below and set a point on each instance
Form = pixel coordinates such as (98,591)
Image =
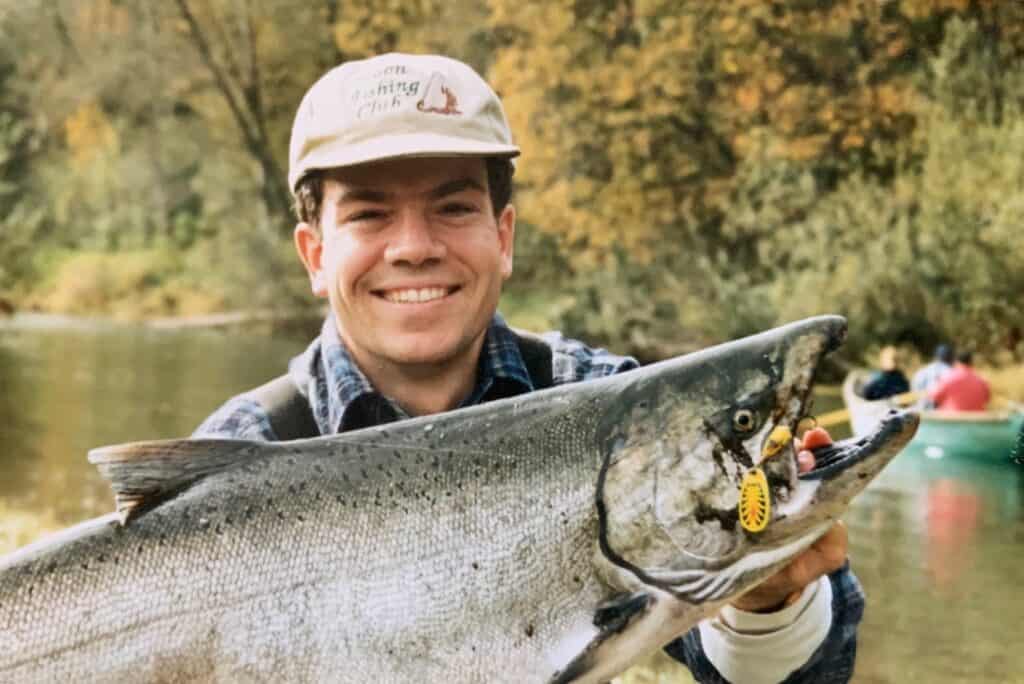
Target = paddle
(843,415)
(838,416)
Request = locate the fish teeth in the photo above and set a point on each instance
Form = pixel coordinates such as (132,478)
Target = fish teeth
(415,295)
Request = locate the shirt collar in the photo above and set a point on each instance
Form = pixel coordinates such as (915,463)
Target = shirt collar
(333,383)
(501,371)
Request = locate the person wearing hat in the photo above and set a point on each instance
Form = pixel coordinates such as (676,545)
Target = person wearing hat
(401,169)
(928,376)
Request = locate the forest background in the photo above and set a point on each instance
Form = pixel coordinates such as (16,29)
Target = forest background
(691,171)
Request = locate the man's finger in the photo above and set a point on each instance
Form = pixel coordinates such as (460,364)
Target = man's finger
(805,461)
(826,555)
(832,547)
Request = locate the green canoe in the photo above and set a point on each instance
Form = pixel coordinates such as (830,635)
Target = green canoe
(981,436)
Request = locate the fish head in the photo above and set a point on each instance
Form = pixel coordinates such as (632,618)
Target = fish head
(700,468)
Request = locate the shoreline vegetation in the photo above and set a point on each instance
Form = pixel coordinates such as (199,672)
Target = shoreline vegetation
(696,172)
(530,311)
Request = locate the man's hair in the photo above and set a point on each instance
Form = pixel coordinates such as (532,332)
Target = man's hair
(944,353)
(965,357)
(309,191)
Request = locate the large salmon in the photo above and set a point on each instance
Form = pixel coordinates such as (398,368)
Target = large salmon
(556,536)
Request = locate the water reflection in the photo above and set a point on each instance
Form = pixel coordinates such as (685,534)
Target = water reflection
(68,388)
(936,545)
(935,542)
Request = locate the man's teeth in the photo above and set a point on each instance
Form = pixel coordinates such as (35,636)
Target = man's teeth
(425,294)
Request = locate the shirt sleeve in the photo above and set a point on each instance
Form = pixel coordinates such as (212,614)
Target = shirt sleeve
(812,641)
(239,418)
(573,361)
(919,381)
(938,393)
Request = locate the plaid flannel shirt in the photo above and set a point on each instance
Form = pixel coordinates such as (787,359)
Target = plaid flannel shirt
(343,399)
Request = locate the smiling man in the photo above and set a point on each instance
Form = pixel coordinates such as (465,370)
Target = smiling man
(411,255)
(401,169)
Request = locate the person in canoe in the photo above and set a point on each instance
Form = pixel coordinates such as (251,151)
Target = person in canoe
(889,380)
(929,376)
(962,389)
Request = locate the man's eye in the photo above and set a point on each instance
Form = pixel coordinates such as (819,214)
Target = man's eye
(367,215)
(458,209)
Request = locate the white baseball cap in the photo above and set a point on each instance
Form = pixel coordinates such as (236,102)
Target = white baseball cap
(393,106)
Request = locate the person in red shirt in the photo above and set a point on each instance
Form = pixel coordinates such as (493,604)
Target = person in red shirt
(962,389)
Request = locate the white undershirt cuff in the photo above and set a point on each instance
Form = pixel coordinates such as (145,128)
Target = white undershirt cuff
(764,648)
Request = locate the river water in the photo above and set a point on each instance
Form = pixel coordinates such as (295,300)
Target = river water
(937,545)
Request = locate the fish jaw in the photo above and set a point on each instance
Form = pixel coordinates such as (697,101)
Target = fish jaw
(680,441)
(842,471)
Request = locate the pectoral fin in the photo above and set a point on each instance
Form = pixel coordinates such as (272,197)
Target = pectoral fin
(615,615)
(628,626)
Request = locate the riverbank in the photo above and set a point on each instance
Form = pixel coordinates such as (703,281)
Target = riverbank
(524,309)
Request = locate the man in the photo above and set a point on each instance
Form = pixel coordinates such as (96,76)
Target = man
(928,376)
(962,389)
(889,380)
(401,169)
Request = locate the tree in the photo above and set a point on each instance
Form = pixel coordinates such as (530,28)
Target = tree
(698,144)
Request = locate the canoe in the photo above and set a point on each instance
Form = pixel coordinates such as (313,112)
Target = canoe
(989,436)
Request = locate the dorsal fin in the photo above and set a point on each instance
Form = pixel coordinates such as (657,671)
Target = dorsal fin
(145,473)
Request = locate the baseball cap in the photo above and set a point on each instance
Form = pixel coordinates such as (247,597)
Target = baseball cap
(393,106)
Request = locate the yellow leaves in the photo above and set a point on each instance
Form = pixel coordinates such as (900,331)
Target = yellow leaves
(803,148)
(851,140)
(730,64)
(102,16)
(365,28)
(88,133)
(623,90)
(642,141)
(696,88)
(955,5)
(920,9)
(748,97)
(893,99)
(774,82)
(743,144)
(896,48)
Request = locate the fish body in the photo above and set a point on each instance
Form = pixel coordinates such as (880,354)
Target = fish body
(554,537)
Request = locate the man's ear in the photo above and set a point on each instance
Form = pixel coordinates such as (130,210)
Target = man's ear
(309,244)
(506,238)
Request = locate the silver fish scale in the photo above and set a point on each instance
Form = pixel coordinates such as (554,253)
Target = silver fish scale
(282,570)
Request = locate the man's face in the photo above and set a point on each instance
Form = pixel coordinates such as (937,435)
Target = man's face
(411,257)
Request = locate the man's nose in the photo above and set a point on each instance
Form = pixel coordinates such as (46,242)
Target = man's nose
(414,241)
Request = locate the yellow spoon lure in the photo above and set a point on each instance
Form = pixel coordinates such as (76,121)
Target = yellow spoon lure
(755,506)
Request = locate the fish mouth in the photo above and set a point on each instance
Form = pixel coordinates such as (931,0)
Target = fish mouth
(833,459)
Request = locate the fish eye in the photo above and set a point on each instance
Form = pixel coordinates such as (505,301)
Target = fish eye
(743,420)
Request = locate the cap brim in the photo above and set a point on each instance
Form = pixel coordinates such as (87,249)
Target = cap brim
(339,153)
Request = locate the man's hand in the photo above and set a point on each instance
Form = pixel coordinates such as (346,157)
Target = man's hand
(823,557)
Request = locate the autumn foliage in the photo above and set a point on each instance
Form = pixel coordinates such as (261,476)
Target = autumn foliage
(691,171)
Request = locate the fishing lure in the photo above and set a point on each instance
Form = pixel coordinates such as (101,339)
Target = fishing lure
(779,438)
(755,502)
